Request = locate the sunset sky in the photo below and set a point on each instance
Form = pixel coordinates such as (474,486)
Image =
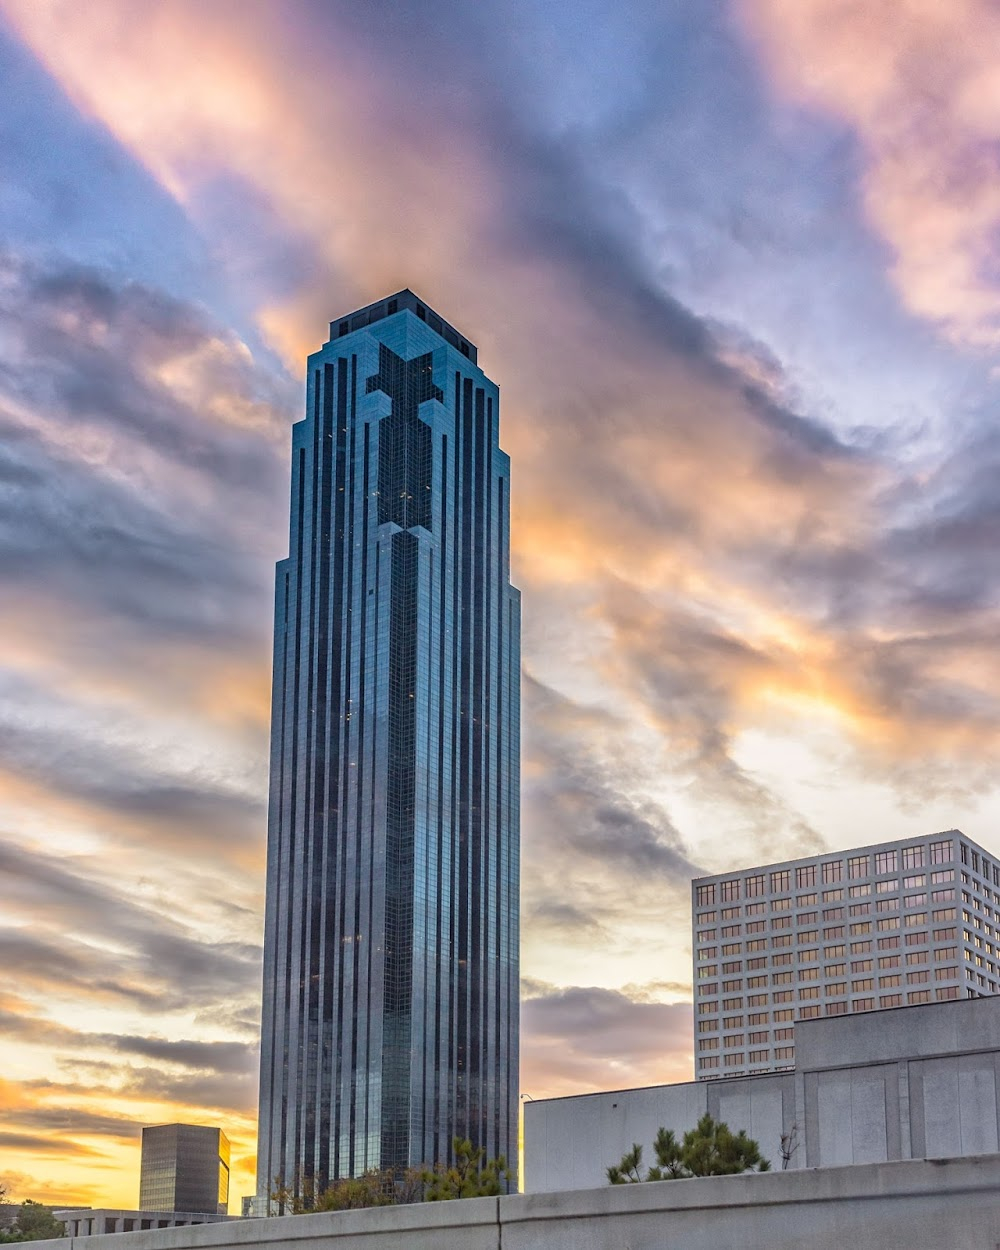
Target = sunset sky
(734,265)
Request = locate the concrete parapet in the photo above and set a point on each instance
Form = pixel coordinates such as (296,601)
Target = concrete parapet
(926,1204)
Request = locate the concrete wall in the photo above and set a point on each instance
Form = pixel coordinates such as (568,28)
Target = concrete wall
(919,1205)
(917,1082)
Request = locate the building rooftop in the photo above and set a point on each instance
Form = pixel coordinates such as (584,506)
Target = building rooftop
(404,300)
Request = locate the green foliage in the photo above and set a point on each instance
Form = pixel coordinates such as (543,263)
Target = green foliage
(35,1222)
(352,1193)
(710,1149)
(471,1175)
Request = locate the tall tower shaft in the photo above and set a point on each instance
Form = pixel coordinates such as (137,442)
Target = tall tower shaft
(390,1014)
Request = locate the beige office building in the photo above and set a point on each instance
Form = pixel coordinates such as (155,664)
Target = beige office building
(888,925)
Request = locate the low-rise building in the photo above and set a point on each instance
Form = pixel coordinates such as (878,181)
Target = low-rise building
(912,1083)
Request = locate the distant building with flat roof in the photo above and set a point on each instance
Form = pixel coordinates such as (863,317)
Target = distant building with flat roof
(185,1167)
(892,924)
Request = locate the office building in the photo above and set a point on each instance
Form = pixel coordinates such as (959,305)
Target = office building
(185,1167)
(390,1015)
(889,925)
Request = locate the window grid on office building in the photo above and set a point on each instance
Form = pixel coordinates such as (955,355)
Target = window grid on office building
(836,935)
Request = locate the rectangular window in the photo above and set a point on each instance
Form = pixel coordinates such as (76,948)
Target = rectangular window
(707,1009)
(707,1026)
(758,1017)
(759,1039)
(863,1004)
(946,913)
(836,989)
(781,904)
(709,952)
(890,1000)
(808,974)
(884,925)
(808,957)
(730,986)
(780,978)
(832,896)
(732,1022)
(942,852)
(758,962)
(757,944)
(835,970)
(859,891)
(864,926)
(755,885)
(943,876)
(781,939)
(859,948)
(942,896)
(857,866)
(833,913)
(836,1009)
(805,876)
(918,996)
(784,1014)
(806,900)
(913,857)
(732,965)
(756,926)
(887,904)
(886,861)
(731,948)
(835,931)
(785,957)
(915,957)
(832,871)
(859,909)
(710,1061)
(734,1061)
(710,970)
(785,1052)
(809,991)
(706,917)
(782,996)
(861,965)
(945,953)
(730,913)
(945,974)
(919,977)
(891,961)
(704,894)
(781,922)
(834,952)
(811,935)
(950,991)
(709,990)
(755,983)
(809,1013)
(859,986)
(757,1000)
(729,890)
(708,1043)
(781,881)
(732,1004)
(890,982)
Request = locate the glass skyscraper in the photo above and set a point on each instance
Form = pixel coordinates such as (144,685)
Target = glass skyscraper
(390,1015)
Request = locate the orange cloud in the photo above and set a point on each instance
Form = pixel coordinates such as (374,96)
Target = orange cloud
(919,81)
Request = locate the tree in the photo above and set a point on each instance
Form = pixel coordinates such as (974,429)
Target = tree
(351,1193)
(472,1175)
(35,1222)
(710,1149)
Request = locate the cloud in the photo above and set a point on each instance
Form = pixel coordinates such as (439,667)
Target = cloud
(920,93)
(578,1039)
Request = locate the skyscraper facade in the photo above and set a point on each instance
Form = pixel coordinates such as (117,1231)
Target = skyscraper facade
(390,1014)
(893,924)
(184,1167)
